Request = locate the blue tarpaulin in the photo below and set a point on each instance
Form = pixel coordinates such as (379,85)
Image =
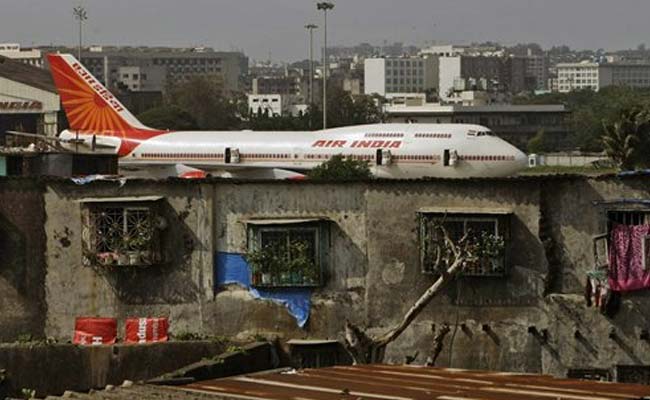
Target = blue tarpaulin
(232,268)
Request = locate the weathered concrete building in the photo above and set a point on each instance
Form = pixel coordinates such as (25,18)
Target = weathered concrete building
(63,256)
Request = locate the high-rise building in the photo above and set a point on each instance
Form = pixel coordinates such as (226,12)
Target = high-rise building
(400,75)
(177,65)
(594,76)
(506,73)
(13,51)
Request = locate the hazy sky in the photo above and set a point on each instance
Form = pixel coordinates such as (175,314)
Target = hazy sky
(275,27)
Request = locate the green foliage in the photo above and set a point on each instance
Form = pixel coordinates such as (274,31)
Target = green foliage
(168,117)
(560,169)
(340,168)
(195,337)
(589,110)
(26,393)
(286,265)
(204,98)
(235,349)
(627,139)
(538,143)
(343,109)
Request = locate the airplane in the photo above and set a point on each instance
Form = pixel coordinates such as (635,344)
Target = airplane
(99,122)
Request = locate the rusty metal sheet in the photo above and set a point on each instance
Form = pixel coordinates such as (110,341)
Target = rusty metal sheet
(392,382)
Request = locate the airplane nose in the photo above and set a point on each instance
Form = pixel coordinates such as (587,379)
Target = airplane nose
(521,159)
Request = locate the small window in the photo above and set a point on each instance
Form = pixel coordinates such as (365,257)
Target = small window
(117,235)
(288,255)
(487,235)
(590,374)
(633,374)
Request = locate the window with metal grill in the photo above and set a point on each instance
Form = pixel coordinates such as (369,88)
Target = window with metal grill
(590,374)
(115,235)
(291,255)
(486,234)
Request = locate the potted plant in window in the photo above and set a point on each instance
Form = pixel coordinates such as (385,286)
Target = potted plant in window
(263,263)
(491,252)
(299,263)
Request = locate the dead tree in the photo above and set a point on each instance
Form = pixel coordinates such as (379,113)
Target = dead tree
(450,258)
(438,341)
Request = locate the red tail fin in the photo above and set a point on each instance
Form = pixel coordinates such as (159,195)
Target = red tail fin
(91,108)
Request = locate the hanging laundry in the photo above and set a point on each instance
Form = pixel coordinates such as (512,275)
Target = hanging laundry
(596,288)
(626,258)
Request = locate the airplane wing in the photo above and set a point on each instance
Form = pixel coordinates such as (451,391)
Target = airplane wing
(199,171)
(90,144)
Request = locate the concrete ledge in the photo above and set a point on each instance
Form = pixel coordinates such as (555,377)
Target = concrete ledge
(250,358)
(53,369)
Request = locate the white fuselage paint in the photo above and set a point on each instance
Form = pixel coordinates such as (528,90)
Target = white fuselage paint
(416,150)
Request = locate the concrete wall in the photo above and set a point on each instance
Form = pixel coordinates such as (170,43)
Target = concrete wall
(22,264)
(374,273)
(69,367)
(175,289)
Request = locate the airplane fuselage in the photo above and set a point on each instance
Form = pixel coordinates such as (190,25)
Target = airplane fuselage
(391,150)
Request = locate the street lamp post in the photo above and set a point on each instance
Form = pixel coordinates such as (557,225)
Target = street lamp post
(325,6)
(310,28)
(80,14)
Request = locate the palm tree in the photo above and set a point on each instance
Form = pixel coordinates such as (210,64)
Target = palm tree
(625,138)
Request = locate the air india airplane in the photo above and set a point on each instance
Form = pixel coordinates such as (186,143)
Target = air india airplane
(99,122)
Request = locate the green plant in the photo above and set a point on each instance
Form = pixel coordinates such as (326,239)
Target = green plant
(341,168)
(291,264)
(28,393)
(235,349)
(490,245)
(25,338)
(188,336)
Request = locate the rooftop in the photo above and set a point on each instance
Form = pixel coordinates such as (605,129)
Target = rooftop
(27,74)
(457,108)
(374,382)
(413,382)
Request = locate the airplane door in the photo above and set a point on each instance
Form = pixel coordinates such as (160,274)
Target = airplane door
(449,158)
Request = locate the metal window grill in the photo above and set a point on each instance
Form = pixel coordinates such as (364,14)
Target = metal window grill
(627,217)
(433,245)
(122,236)
(280,242)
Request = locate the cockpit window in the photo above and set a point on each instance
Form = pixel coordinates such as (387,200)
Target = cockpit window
(485,133)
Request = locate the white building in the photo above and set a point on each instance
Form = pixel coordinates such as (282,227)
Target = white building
(142,78)
(13,51)
(276,105)
(29,102)
(400,75)
(265,103)
(577,76)
(594,76)
(448,50)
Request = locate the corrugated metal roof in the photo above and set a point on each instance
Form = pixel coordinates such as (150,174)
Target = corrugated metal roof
(27,74)
(465,210)
(283,221)
(413,383)
(131,199)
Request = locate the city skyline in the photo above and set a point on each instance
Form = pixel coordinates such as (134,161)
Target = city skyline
(275,29)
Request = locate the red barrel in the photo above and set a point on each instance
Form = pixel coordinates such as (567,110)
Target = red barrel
(146,330)
(95,331)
